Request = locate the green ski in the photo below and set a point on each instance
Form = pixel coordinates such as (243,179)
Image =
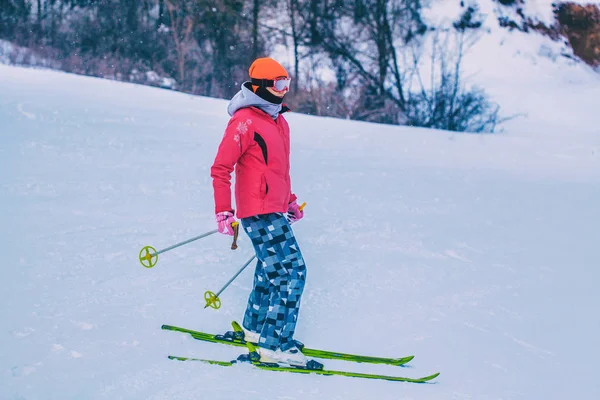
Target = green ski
(231,339)
(274,367)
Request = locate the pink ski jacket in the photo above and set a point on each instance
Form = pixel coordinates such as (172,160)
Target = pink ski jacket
(258,147)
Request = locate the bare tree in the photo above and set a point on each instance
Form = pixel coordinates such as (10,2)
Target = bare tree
(14,15)
(293,6)
(255,33)
(445,102)
(365,35)
(182,26)
(207,46)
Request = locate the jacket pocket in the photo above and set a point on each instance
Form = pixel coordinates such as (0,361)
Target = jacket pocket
(264,186)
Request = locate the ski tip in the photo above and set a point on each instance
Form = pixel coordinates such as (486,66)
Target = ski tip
(403,360)
(430,377)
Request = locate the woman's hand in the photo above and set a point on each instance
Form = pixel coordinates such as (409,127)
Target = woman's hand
(295,212)
(225,219)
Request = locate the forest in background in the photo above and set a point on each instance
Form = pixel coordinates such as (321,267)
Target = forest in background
(355,59)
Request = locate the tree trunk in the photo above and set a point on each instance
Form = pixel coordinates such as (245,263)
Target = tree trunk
(181,30)
(255,12)
(396,70)
(314,22)
(296,39)
(161,13)
(381,39)
(132,16)
(39,20)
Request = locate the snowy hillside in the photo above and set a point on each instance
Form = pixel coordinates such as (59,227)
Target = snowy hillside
(477,254)
(519,69)
(542,88)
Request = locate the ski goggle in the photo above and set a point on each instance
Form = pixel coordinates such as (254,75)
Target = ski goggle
(278,84)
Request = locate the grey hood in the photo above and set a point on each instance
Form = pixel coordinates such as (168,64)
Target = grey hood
(247,98)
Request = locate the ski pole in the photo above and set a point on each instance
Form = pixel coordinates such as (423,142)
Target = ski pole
(212,300)
(149,256)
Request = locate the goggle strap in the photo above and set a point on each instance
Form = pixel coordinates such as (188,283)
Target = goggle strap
(263,82)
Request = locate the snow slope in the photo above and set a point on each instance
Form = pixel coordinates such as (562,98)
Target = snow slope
(477,254)
(538,81)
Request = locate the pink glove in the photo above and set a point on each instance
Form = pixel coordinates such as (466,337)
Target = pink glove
(294,213)
(224,221)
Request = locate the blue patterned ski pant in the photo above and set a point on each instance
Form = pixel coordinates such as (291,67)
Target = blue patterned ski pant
(278,281)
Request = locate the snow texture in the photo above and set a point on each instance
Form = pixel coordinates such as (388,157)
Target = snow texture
(476,253)
(12,54)
(537,82)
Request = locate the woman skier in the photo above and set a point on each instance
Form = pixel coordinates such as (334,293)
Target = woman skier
(257,144)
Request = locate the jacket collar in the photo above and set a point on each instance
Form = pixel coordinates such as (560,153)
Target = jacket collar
(247,98)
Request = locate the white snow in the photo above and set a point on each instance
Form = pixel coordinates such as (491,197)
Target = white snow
(13,54)
(476,253)
(536,81)
(442,11)
(542,10)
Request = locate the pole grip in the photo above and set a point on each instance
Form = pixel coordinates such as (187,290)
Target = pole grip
(236,232)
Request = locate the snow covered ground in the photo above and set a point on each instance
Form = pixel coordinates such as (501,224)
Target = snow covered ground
(477,254)
(527,74)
